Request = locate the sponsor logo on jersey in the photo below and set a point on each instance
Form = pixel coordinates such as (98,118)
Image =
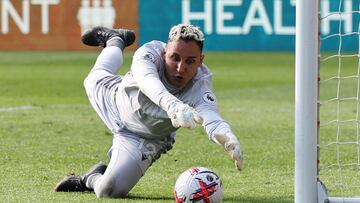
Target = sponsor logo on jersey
(149,57)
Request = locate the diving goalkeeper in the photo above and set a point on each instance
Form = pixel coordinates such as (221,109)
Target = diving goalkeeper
(167,87)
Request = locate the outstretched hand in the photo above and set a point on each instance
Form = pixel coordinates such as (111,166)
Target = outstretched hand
(232,146)
(183,115)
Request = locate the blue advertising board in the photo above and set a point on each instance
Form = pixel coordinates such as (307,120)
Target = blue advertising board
(247,25)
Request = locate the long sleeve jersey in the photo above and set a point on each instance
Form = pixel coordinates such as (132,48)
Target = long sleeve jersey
(142,88)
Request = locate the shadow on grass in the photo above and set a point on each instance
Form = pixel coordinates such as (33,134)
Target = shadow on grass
(244,199)
(241,199)
(139,197)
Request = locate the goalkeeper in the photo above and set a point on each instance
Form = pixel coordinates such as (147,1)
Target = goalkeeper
(168,87)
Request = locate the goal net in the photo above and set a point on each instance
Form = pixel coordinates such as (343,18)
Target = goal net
(339,92)
(327,108)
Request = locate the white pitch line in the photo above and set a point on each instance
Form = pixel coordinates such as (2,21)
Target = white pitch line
(15,108)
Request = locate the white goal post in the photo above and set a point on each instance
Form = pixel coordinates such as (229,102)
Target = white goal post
(306,94)
(308,187)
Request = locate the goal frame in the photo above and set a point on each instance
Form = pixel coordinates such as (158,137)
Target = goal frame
(306,106)
(307,186)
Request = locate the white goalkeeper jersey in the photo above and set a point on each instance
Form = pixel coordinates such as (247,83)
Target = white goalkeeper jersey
(138,96)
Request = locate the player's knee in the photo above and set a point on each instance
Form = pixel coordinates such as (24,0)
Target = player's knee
(111,189)
(104,189)
(88,83)
(93,78)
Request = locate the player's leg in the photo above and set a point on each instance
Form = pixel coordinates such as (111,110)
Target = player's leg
(107,64)
(130,158)
(125,169)
(99,86)
(120,177)
(102,79)
(127,165)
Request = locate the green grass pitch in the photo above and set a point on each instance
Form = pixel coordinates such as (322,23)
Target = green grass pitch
(48,129)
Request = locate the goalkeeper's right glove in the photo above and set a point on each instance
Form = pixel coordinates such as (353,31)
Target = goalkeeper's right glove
(183,115)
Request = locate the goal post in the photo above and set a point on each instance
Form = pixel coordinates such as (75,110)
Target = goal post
(327,110)
(306,94)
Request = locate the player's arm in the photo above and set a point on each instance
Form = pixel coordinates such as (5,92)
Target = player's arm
(218,130)
(144,69)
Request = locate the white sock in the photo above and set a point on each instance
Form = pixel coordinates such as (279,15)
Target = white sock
(116,41)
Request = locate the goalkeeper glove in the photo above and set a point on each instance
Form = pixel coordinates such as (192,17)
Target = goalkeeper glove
(183,115)
(232,146)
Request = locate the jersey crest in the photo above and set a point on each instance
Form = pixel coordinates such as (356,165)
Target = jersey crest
(209,98)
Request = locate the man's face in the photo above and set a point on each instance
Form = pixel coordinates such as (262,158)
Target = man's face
(182,60)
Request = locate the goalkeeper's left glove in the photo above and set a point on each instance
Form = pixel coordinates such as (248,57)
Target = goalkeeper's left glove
(232,146)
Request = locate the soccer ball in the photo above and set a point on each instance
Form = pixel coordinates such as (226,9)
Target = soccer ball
(198,184)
